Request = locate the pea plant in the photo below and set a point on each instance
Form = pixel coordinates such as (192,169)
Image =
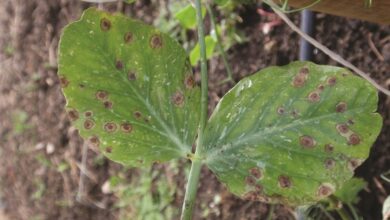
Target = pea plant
(291,134)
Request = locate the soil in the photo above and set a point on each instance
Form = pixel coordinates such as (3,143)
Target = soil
(35,132)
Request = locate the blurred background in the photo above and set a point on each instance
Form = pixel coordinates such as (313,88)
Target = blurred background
(41,153)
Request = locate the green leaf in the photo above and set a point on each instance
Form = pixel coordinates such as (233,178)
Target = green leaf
(348,193)
(187,16)
(129,88)
(195,52)
(292,134)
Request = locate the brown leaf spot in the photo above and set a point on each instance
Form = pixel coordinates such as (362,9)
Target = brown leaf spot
(128,37)
(178,99)
(137,114)
(108,149)
(342,128)
(250,180)
(325,190)
(73,115)
(350,122)
(110,127)
(88,114)
(256,172)
(81,86)
(314,97)
(131,76)
(107,104)
(341,107)
(284,181)
(280,111)
(353,164)
(307,141)
(156,41)
(329,163)
(321,87)
(332,81)
(189,82)
(94,140)
(119,64)
(101,95)
(105,24)
(63,82)
(126,127)
(88,124)
(258,188)
(354,139)
(251,196)
(300,78)
(328,148)
(295,113)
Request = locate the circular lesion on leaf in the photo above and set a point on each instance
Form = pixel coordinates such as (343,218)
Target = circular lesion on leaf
(280,110)
(332,80)
(101,95)
(110,127)
(128,37)
(131,75)
(118,64)
(329,163)
(301,77)
(88,114)
(108,149)
(328,148)
(342,128)
(137,115)
(314,97)
(189,82)
(284,181)
(156,41)
(353,163)
(107,104)
(325,190)
(307,142)
(341,107)
(89,124)
(256,172)
(178,99)
(353,139)
(73,114)
(126,127)
(250,180)
(94,141)
(63,82)
(105,24)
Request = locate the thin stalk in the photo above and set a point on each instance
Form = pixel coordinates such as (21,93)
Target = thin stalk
(353,211)
(193,180)
(192,186)
(270,211)
(220,47)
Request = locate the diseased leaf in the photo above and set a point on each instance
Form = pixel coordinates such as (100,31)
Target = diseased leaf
(129,88)
(292,134)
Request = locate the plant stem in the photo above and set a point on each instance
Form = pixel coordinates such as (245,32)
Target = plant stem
(271,208)
(220,47)
(192,186)
(353,211)
(193,180)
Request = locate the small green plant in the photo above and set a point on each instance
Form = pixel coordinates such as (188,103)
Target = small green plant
(292,134)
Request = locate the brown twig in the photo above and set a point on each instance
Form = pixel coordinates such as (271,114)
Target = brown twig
(373,48)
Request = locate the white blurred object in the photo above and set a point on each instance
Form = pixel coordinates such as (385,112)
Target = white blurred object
(99,1)
(386,209)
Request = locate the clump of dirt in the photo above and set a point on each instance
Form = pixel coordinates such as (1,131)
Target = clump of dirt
(37,138)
